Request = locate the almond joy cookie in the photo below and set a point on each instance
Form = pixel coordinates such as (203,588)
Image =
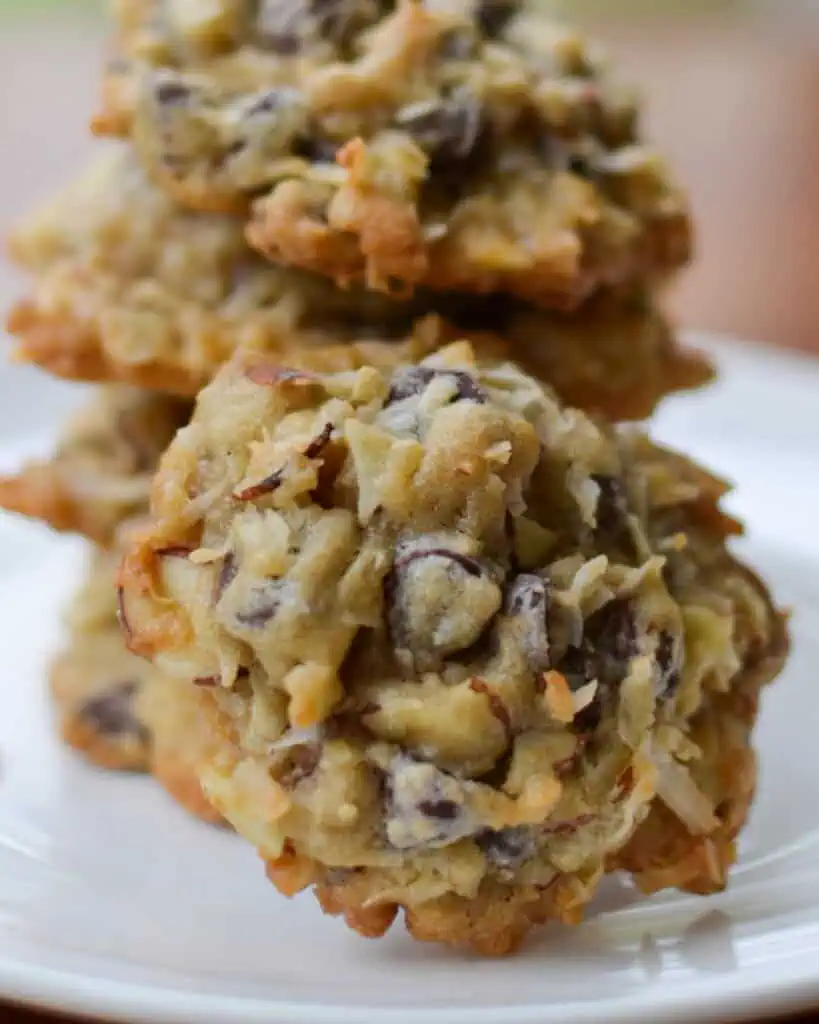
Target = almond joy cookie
(114,708)
(448,634)
(130,288)
(100,474)
(447,145)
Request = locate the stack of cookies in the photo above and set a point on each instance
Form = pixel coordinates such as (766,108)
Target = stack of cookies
(402,601)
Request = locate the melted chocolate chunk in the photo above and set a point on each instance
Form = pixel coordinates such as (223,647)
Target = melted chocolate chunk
(423,806)
(613,633)
(494,15)
(508,848)
(111,713)
(428,623)
(447,130)
(272,101)
(613,522)
(667,656)
(172,93)
(227,574)
(302,762)
(317,151)
(441,810)
(264,602)
(527,601)
(409,381)
(609,643)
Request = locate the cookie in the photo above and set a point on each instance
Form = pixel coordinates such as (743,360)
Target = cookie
(671,849)
(129,288)
(450,146)
(115,708)
(447,633)
(101,472)
(95,681)
(170,709)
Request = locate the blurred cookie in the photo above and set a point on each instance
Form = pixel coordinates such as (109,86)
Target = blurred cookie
(452,146)
(128,288)
(101,472)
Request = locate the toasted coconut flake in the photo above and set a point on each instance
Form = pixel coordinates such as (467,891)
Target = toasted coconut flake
(290,873)
(558,697)
(584,696)
(270,375)
(540,796)
(679,793)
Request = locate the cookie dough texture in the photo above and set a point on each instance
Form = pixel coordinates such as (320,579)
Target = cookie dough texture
(96,682)
(100,474)
(115,708)
(402,144)
(449,635)
(664,853)
(130,288)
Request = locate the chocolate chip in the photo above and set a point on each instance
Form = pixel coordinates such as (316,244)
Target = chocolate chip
(506,848)
(613,519)
(447,130)
(409,381)
(580,166)
(284,26)
(111,713)
(527,602)
(172,93)
(667,657)
(301,762)
(613,630)
(272,101)
(442,810)
(317,151)
(423,806)
(608,646)
(227,574)
(471,566)
(494,15)
(609,643)
(262,605)
(439,603)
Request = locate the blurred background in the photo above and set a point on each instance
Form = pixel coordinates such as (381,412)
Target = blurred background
(733,100)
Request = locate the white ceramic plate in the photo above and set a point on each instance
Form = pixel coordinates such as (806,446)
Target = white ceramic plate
(113,903)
